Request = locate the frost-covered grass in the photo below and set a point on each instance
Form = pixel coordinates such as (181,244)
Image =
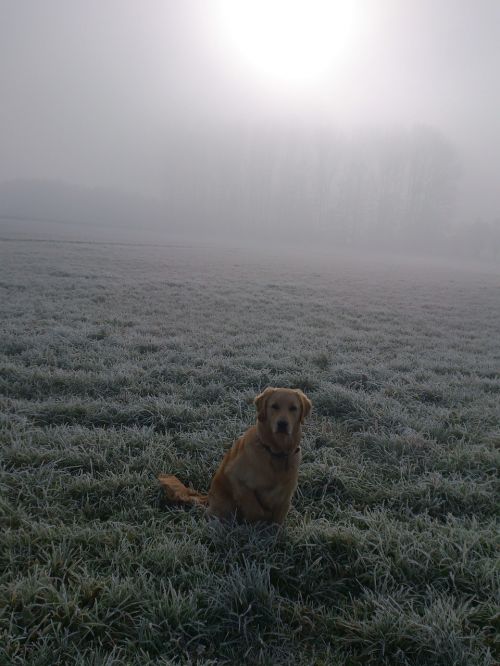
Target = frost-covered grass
(118,363)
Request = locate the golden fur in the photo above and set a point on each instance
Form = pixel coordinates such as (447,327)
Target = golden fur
(258,475)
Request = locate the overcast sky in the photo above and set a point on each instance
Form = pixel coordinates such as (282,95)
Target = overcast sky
(94,91)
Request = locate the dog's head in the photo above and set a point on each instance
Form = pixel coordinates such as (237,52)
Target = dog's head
(281,411)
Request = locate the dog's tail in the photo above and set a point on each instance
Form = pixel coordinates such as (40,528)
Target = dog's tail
(178,493)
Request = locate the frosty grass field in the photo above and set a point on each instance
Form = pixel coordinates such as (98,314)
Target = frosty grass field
(118,363)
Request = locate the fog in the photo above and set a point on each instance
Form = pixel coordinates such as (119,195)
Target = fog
(151,117)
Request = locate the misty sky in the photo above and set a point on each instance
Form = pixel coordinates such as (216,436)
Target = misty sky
(95,91)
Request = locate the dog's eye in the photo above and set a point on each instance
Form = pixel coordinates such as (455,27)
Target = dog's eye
(293,408)
(275,406)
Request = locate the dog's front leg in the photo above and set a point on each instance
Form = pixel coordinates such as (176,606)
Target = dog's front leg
(249,505)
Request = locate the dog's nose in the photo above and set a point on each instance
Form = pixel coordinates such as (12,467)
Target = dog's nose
(282,426)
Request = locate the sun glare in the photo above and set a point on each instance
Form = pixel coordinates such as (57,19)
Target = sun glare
(291,41)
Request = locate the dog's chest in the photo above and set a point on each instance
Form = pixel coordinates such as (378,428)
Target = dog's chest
(277,494)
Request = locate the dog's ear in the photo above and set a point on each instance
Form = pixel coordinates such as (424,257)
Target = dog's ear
(305,404)
(261,402)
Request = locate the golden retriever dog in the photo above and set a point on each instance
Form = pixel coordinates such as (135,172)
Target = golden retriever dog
(257,477)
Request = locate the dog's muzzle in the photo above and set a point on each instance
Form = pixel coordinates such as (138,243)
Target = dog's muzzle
(282,426)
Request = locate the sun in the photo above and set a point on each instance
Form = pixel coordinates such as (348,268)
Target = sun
(292,42)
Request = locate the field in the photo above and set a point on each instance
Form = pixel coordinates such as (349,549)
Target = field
(118,363)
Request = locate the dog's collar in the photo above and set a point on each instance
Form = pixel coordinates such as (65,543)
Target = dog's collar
(281,455)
